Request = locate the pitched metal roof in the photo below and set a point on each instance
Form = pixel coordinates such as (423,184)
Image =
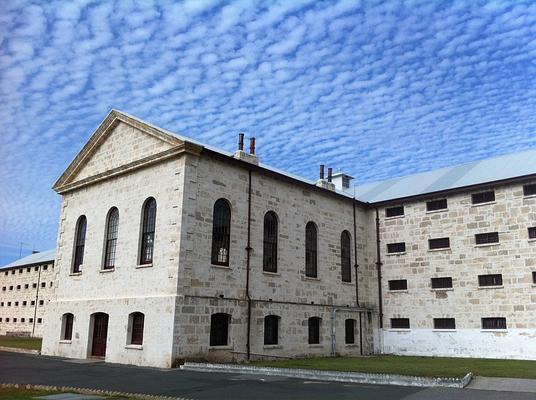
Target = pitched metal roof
(36,258)
(479,172)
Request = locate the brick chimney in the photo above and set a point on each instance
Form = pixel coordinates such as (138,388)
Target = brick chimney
(242,155)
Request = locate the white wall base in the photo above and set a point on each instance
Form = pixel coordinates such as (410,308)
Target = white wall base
(513,343)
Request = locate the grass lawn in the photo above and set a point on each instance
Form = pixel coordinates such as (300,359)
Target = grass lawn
(417,366)
(27,394)
(21,342)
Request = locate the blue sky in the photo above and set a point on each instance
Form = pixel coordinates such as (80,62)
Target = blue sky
(376,89)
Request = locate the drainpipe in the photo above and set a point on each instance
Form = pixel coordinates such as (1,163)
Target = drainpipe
(379,270)
(356,266)
(333,344)
(248,253)
(36,299)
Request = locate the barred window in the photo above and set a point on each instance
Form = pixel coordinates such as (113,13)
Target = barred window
(399,284)
(529,190)
(396,247)
(136,325)
(442,283)
(221,232)
(80,242)
(112,226)
(219,329)
(434,205)
(346,258)
(270,242)
(314,330)
(349,331)
(532,232)
(444,323)
(148,231)
(399,323)
(67,326)
(494,323)
(271,329)
(439,243)
(311,260)
(394,211)
(490,280)
(483,197)
(487,238)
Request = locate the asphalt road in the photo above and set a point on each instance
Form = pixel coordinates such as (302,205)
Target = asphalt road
(24,368)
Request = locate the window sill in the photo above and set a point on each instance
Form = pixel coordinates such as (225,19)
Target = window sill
(490,287)
(395,217)
(215,348)
(442,289)
(104,271)
(220,266)
(494,330)
(396,254)
(530,196)
(65,341)
(437,211)
(75,273)
(348,283)
(399,330)
(398,291)
(441,249)
(532,240)
(443,330)
(134,346)
(534,285)
(316,346)
(310,278)
(272,346)
(484,204)
(487,244)
(351,345)
(144,266)
(268,273)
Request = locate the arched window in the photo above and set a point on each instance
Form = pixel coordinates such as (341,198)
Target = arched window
(67,326)
(147,231)
(314,330)
(349,331)
(271,329)
(136,322)
(112,226)
(221,232)
(79,244)
(311,261)
(269,262)
(219,329)
(346,258)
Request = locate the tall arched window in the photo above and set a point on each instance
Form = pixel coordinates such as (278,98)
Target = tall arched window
(346,258)
(147,231)
(112,227)
(79,244)
(136,322)
(221,232)
(269,262)
(67,326)
(311,261)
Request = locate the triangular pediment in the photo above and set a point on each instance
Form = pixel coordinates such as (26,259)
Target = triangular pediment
(120,143)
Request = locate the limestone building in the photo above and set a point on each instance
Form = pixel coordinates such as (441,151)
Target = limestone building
(169,249)
(26,287)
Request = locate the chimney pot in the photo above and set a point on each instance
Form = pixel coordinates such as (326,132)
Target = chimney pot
(252,146)
(321,171)
(330,174)
(241,141)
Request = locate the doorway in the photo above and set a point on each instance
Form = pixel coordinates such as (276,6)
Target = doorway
(100,334)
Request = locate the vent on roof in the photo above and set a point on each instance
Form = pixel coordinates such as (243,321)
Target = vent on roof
(323,183)
(342,181)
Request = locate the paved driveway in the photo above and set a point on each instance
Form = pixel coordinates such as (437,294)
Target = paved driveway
(24,368)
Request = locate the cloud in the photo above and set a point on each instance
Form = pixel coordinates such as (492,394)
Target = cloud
(377,89)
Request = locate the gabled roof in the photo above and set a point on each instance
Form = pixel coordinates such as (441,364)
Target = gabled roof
(497,169)
(36,258)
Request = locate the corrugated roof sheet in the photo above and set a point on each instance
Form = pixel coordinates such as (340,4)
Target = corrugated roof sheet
(41,257)
(474,173)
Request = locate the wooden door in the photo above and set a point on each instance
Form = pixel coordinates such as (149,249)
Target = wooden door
(100,333)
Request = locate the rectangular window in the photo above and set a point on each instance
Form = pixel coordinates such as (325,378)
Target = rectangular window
(39,320)
(400,284)
(483,197)
(444,323)
(26,286)
(31,320)
(24,303)
(533,276)
(314,330)
(532,232)
(435,205)
(271,330)
(396,247)
(14,319)
(494,323)
(442,283)
(43,284)
(487,238)
(41,302)
(18,287)
(490,280)
(349,331)
(20,271)
(529,190)
(23,320)
(394,211)
(399,323)
(440,243)
(34,285)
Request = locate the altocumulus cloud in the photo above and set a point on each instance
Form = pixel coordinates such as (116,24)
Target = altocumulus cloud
(377,89)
